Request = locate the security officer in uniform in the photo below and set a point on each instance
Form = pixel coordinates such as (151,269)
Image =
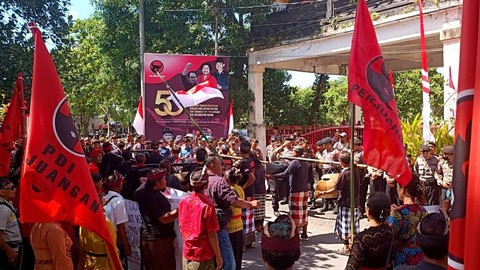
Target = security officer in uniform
(445,172)
(425,167)
(10,236)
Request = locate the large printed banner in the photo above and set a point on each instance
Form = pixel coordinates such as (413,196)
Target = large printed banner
(200,83)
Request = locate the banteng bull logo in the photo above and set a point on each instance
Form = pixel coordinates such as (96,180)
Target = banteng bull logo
(65,130)
(377,77)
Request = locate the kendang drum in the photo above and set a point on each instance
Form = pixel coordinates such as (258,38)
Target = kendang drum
(276,167)
(327,182)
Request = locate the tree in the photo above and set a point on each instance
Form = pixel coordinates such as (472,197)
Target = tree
(320,86)
(408,96)
(87,76)
(186,27)
(16,45)
(408,93)
(335,106)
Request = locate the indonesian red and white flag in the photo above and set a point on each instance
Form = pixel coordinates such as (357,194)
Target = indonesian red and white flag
(370,88)
(55,183)
(139,121)
(426,108)
(10,128)
(230,118)
(197,95)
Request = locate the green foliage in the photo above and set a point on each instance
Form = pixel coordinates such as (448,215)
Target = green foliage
(335,106)
(412,135)
(408,93)
(87,77)
(16,45)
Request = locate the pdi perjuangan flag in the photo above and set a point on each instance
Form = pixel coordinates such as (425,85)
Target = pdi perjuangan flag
(370,88)
(55,183)
(464,215)
(10,128)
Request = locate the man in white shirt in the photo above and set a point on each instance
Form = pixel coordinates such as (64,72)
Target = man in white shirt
(117,214)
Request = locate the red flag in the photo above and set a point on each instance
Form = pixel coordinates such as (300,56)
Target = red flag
(139,122)
(10,130)
(426,108)
(466,186)
(450,79)
(370,88)
(55,182)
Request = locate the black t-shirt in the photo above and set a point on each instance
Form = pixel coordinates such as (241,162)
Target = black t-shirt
(133,181)
(246,167)
(153,205)
(343,186)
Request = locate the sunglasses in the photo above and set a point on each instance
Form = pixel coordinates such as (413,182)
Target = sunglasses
(12,187)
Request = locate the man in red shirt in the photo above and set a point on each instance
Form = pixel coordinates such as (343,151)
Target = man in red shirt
(96,156)
(199,226)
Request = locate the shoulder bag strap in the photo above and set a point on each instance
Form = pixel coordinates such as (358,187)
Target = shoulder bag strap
(390,249)
(111,198)
(9,207)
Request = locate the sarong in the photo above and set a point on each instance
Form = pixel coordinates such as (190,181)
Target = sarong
(342,224)
(259,213)
(248,224)
(158,254)
(299,208)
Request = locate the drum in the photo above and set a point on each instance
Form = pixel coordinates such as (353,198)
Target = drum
(276,167)
(327,182)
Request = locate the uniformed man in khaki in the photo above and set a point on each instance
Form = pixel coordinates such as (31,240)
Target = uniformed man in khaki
(425,167)
(445,172)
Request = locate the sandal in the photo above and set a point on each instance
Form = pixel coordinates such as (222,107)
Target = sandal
(342,252)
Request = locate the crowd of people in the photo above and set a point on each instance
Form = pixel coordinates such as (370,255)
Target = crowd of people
(223,214)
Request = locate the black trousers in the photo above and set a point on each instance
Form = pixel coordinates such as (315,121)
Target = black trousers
(363,192)
(393,195)
(236,239)
(378,185)
(431,191)
(280,192)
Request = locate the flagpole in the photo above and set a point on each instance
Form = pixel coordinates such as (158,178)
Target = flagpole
(23,109)
(172,93)
(352,171)
(141,25)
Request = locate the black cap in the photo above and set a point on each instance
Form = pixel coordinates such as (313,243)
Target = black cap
(357,141)
(425,148)
(449,150)
(327,140)
(319,143)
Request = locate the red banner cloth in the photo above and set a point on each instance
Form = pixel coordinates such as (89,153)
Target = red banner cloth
(10,130)
(370,88)
(465,218)
(55,184)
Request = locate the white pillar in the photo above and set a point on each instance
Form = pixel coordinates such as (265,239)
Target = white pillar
(256,126)
(451,58)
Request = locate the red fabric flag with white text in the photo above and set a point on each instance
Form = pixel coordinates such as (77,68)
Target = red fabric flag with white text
(370,88)
(55,183)
(464,214)
(10,129)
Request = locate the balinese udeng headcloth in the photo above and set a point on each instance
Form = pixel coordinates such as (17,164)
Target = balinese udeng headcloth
(292,242)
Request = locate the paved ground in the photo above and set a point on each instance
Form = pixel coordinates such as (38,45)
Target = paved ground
(317,253)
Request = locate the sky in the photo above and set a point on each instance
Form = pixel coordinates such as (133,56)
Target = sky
(82,9)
